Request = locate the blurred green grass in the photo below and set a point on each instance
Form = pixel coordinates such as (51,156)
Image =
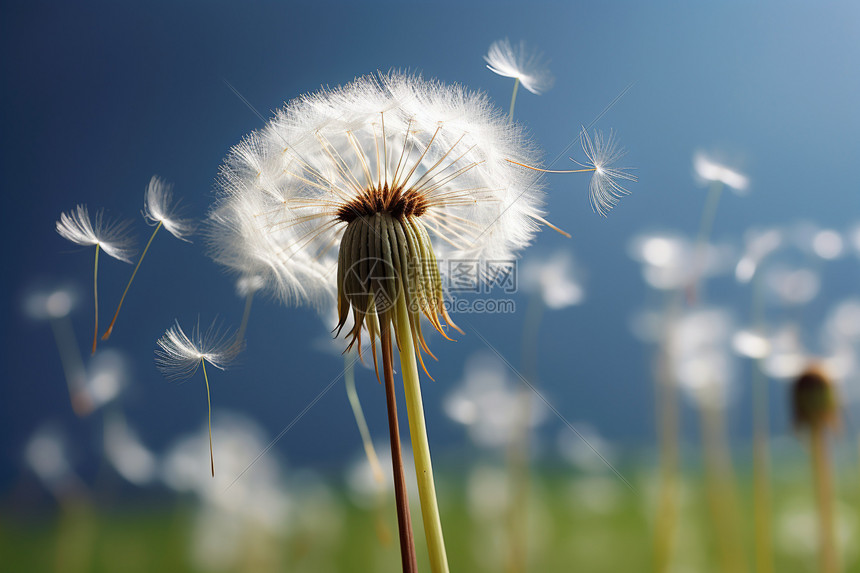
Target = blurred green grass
(576,523)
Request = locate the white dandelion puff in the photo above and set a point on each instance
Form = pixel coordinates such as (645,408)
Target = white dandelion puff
(521,62)
(178,356)
(112,237)
(159,209)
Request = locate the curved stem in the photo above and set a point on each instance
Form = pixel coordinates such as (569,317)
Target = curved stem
(404,521)
(420,445)
(107,333)
(209,402)
(513,99)
(96,295)
(360,421)
(706,225)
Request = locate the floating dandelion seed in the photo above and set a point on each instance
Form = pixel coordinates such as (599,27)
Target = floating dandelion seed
(112,237)
(159,210)
(526,65)
(363,189)
(179,356)
(602,152)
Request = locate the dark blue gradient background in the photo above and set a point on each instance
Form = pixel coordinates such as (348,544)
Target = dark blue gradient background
(98,97)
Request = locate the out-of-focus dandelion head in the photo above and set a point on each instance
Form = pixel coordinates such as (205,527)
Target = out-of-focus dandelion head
(249,284)
(178,356)
(750,344)
(701,357)
(107,374)
(127,454)
(709,170)
(758,245)
(554,278)
(50,304)
(792,286)
(160,207)
(828,244)
(671,261)
(111,236)
(488,403)
(46,454)
(521,62)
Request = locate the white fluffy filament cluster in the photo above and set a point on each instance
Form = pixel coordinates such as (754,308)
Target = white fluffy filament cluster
(159,207)
(178,356)
(112,237)
(286,190)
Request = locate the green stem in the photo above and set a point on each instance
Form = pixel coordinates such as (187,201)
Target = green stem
(761,449)
(828,558)
(96,295)
(360,420)
(209,403)
(709,214)
(420,445)
(513,99)
(107,333)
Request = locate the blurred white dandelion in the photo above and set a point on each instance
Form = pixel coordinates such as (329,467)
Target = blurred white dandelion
(710,170)
(555,279)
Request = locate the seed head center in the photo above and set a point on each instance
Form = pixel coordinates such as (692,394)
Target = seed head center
(397,202)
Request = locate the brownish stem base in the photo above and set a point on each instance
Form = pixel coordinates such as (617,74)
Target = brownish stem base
(404,522)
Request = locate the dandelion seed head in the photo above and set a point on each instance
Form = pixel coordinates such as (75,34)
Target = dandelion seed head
(178,356)
(395,145)
(159,207)
(521,62)
(111,236)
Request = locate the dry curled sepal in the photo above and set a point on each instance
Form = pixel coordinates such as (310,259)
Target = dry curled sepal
(111,235)
(178,355)
(159,206)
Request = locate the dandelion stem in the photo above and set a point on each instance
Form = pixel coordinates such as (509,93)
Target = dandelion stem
(96,295)
(73,366)
(761,450)
(518,454)
(209,403)
(107,333)
(721,492)
(246,314)
(420,445)
(404,522)
(709,214)
(828,560)
(668,415)
(513,99)
(360,421)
